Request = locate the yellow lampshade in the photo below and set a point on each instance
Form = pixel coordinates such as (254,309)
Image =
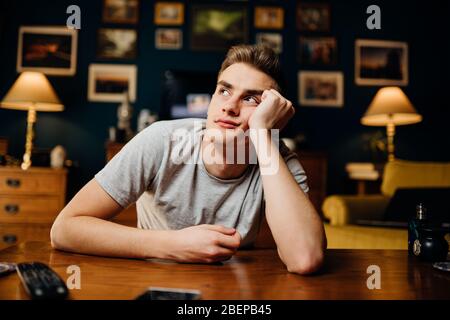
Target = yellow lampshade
(390,105)
(32,89)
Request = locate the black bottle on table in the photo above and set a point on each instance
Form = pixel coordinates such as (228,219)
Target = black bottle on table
(414,227)
(426,240)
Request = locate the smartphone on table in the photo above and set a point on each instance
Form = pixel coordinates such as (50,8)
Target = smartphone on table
(160,293)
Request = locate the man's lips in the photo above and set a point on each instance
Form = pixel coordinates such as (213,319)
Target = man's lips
(228,124)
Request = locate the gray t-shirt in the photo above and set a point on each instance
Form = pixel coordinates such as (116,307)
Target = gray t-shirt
(174,195)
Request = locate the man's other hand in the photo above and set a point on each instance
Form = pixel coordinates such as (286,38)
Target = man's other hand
(204,243)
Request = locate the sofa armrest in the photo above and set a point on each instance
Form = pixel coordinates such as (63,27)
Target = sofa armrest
(347,209)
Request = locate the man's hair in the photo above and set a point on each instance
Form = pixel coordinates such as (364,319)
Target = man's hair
(260,57)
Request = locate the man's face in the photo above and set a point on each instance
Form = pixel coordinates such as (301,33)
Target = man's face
(238,93)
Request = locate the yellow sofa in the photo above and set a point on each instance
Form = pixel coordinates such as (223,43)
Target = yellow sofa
(344,210)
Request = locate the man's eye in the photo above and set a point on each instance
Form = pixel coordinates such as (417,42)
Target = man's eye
(224,92)
(251,99)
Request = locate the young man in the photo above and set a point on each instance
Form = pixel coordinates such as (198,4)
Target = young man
(204,210)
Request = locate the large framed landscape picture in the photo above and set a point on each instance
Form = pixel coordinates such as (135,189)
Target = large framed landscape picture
(381,63)
(218,27)
(50,50)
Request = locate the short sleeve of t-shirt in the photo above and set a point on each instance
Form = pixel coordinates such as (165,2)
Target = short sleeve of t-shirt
(294,166)
(130,172)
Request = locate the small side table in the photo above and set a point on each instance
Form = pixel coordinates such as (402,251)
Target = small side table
(365,186)
(368,177)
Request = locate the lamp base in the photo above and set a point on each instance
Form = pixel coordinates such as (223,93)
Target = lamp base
(31,119)
(390,132)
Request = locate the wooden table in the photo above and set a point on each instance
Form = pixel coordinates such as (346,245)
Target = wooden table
(253,274)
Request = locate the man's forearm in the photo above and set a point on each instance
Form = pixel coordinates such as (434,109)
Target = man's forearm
(295,225)
(91,235)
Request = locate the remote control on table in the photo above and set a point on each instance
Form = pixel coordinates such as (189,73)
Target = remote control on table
(7,268)
(40,281)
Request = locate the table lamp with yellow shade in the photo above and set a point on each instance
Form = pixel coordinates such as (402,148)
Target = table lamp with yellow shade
(390,107)
(31,92)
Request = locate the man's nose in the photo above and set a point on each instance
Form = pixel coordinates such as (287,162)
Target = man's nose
(231,107)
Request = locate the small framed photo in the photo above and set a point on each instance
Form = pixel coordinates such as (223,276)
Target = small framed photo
(50,50)
(313,17)
(168,38)
(271,40)
(116,43)
(321,88)
(169,13)
(269,17)
(121,11)
(381,63)
(108,82)
(317,51)
(217,27)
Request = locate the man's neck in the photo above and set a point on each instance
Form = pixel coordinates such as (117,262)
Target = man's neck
(221,169)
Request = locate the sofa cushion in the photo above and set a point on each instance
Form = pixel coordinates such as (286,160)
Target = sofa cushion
(410,174)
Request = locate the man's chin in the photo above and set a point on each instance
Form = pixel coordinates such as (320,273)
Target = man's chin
(220,135)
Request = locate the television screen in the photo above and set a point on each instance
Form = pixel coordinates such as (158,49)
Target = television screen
(187,94)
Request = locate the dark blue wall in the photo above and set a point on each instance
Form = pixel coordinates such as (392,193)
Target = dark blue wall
(82,127)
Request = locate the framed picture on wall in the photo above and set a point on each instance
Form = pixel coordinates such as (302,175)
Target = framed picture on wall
(313,17)
(271,40)
(269,17)
(121,11)
(321,88)
(108,82)
(168,38)
(116,43)
(317,51)
(381,63)
(218,27)
(169,13)
(50,50)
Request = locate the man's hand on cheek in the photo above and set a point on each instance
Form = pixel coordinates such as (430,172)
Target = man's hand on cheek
(273,112)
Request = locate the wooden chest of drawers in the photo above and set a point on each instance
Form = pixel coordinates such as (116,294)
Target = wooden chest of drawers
(30,197)
(16,233)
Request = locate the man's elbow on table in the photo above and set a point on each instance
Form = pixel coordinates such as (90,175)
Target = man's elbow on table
(306,263)
(57,235)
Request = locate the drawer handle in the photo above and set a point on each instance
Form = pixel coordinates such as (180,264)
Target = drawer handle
(12,208)
(10,238)
(13,183)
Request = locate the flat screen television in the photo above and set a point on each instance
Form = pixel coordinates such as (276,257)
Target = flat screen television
(186,94)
